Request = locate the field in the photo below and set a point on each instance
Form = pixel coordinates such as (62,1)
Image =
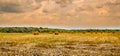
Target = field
(63,44)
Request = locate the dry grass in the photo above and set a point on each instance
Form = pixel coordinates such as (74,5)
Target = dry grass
(62,38)
(70,44)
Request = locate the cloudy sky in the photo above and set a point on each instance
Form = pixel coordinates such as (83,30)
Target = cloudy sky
(61,13)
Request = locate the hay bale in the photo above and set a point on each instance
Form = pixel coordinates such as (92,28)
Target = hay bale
(36,33)
(83,32)
(56,33)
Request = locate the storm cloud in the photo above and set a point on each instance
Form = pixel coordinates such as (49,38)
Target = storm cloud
(10,8)
(18,6)
(62,13)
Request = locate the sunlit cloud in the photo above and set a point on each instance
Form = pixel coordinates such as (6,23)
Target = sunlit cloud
(62,13)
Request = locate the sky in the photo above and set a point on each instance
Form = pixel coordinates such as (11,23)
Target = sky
(61,13)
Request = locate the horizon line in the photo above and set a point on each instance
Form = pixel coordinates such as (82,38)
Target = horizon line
(69,28)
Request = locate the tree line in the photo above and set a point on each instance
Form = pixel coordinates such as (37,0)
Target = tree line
(47,30)
(28,30)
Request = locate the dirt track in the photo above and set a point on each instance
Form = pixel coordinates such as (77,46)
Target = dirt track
(60,50)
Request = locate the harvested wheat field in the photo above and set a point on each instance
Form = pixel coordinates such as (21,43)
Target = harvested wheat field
(64,44)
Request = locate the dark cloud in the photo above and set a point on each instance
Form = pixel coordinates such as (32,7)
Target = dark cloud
(85,8)
(39,1)
(19,7)
(64,3)
(9,8)
(112,3)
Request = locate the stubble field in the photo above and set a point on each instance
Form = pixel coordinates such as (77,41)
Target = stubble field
(63,44)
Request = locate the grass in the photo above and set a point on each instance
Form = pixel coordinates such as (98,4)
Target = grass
(79,44)
(44,39)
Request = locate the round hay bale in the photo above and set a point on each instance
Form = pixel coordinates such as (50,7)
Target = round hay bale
(56,33)
(36,33)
